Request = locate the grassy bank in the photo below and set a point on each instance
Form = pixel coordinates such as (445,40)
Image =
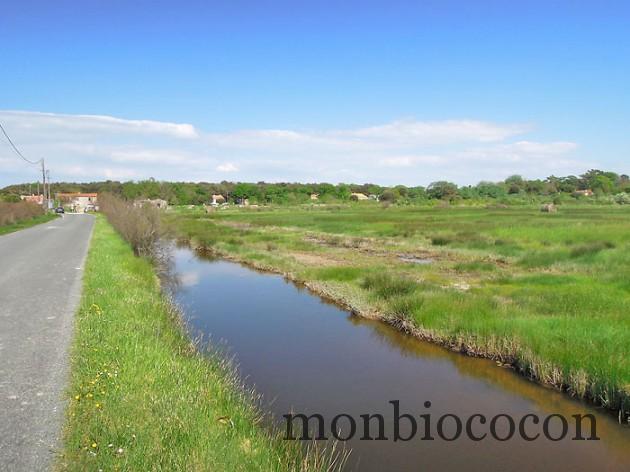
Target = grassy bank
(27,223)
(141,397)
(546,293)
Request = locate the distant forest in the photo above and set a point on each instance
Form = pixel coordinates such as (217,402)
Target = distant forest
(606,187)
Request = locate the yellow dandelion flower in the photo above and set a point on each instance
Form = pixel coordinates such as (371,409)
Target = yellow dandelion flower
(76,397)
(94,445)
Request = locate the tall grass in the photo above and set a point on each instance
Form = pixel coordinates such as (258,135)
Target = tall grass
(11,213)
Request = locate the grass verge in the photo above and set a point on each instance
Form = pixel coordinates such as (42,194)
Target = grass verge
(27,223)
(142,397)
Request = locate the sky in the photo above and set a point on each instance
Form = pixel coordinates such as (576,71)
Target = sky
(388,92)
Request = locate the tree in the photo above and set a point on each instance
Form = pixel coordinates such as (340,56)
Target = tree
(489,189)
(602,183)
(390,195)
(442,190)
(514,184)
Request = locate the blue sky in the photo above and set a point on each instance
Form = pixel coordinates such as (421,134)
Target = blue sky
(359,91)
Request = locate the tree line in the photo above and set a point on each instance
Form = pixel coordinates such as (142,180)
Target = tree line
(601,183)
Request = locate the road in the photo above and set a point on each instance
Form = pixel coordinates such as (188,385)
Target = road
(40,286)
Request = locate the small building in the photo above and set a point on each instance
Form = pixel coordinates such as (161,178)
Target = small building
(358,196)
(38,199)
(584,193)
(374,197)
(218,199)
(79,202)
(314,196)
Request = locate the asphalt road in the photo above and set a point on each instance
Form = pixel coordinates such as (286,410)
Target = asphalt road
(40,286)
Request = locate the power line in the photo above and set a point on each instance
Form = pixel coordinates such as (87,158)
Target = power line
(40,161)
(17,151)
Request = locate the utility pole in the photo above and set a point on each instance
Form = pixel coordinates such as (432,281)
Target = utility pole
(44,183)
(49,193)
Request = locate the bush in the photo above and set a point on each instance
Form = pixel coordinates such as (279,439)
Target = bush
(138,225)
(13,212)
(622,199)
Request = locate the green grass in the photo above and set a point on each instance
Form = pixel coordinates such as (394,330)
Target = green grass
(27,223)
(548,292)
(142,397)
(387,286)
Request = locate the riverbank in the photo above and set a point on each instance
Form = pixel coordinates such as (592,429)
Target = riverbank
(543,294)
(141,397)
(27,223)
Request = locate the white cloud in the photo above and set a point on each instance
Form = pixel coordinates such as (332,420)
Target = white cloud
(37,122)
(438,131)
(227,167)
(410,161)
(90,147)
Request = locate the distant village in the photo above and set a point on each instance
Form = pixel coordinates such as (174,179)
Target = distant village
(77,202)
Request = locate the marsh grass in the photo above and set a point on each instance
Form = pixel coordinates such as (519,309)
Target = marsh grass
(475,266)
(143,398)
(387,286)
(341,273)
(591,248)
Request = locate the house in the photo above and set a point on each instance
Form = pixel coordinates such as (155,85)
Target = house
(218,199)
(314,196)
(39,199)
(79,202)
(358,196)
(584,193)
(374,197)
(154,202)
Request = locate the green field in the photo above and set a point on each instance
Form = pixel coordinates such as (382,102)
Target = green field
(142,397)
(547,293)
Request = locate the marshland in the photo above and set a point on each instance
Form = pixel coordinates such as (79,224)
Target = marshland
(545,294)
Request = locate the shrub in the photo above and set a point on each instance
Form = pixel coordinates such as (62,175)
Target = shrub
(138,225)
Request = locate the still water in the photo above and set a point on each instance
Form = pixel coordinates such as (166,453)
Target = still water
(305,355)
